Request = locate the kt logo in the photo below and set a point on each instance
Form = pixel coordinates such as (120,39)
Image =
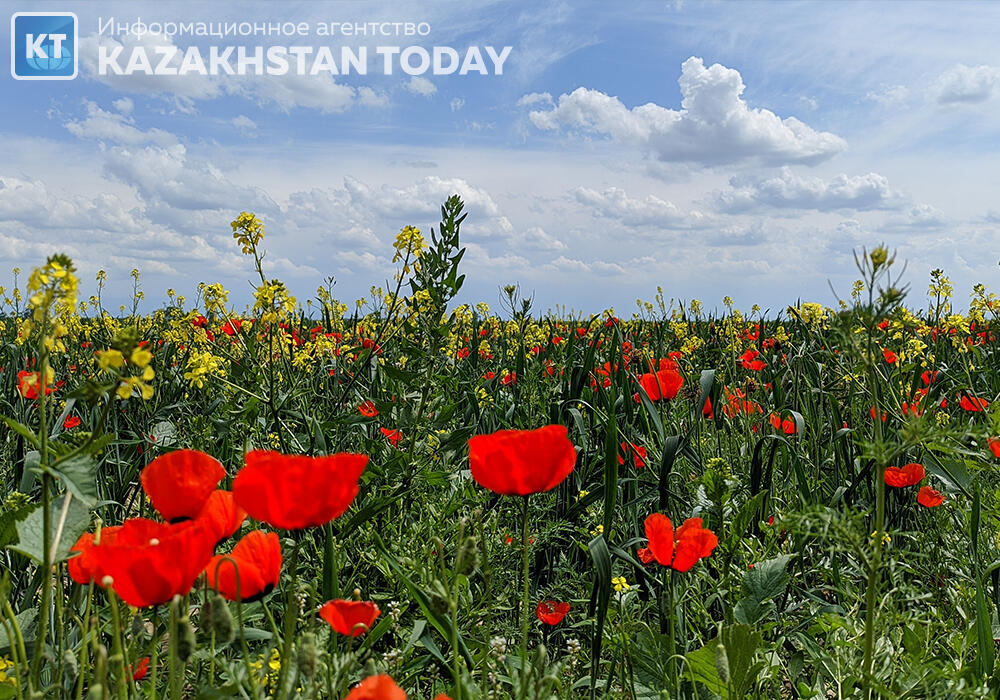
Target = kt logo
(43,46)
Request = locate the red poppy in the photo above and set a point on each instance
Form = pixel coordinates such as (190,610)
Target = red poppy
(664,383)
(872,413)
(140,670)
(637,452)
(994,444)
(368,410)
(750,361)
(292,492)
(973,404)
(28,383)
(257,557)
(929,497)
(86,567)
(645,556)
(928,377)
(351,618)
(509,378)
(221,515)
(889,355)
(393,436)
(71,422)
(551,613)
(380,687)
(787,425)
(522,462)
(232,326)
(683,548)
(908,475)
(150,562)
(178,483)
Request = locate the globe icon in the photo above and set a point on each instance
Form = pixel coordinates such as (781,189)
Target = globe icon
(51,62)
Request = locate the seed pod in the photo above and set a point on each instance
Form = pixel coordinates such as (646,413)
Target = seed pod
(722,662)
(96,692)
(221,620)
(185,639)
(71,667)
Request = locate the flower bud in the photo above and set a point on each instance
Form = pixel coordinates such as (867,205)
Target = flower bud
(722,662)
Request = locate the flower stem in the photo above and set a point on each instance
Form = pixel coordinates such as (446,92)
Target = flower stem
(525,592)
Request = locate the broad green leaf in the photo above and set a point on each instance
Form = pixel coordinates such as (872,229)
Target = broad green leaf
(765,581)
(30,530)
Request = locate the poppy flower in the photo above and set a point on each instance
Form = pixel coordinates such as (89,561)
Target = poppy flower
(257,557)
(380,687)
(221,514)
(150,562)
(292,492)
(28,383)
(994,444)
(679,550)
(178,483)
(637,452)
(522,462)
(929,497)
(645,556)
(908,475)
(750,360)
(140,670)
(351,618)
(663,384)
(393,436)
(889,356)
(551,613)
(368,410)
(71,422)
(928,377)
(85,567)
(787,425)
(973,404)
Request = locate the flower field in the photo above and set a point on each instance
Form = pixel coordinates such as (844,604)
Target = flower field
(409,497)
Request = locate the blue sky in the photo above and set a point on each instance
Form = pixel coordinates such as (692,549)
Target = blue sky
(710,148)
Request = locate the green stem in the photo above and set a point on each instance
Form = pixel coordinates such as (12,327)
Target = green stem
(526,591)
(43,452)
(117,650)
(291,616)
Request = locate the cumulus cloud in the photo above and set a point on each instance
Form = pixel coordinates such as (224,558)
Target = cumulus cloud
(714,126)
(967,84)
(791,191)
(420,86)
(614,203)
(100,125)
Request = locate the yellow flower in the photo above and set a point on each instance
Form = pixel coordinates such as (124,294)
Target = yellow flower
(620,584)
(140,357)
(111,359)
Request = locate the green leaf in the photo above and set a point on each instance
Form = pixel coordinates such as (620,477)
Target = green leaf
(78,473)
(30,530)
(9,520)
(765,581)
(602,594)
(22,430)
(741,646)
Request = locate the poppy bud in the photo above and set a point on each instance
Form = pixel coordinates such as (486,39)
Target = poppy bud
(468,556)
(138,626)
(306,660)
(722,662)
(96,692)
(185,639)
(356,594)
(220,619)
(439,598)
(70,664)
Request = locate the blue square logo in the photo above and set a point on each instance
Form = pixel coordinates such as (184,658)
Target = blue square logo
(43,46)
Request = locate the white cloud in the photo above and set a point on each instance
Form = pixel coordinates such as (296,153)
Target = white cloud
(245,125)
(967,84)
(420,86)
(888,96)
(124,105)
(614,203)
(456,104)
(99,125)
(714,125)
(788,190)
(534,98)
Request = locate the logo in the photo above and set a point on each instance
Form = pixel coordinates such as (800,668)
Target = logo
(43,46)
